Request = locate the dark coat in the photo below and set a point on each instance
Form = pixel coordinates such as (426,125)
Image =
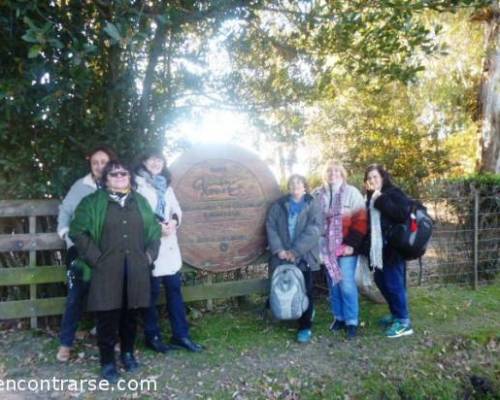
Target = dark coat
(394,207)
(108,237)
(305,246)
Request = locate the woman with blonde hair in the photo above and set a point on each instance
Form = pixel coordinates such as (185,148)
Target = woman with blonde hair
(344,227)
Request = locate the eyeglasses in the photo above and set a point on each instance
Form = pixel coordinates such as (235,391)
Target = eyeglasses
(116,174)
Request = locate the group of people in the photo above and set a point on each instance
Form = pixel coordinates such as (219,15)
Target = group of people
(336,227)
(120,224)
(120,227)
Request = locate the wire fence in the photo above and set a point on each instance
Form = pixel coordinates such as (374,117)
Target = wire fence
(464,249)
(465,245)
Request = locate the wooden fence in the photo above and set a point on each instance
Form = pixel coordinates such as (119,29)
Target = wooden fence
(34,275)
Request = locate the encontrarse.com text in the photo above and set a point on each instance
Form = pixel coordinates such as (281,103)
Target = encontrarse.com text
(75,385)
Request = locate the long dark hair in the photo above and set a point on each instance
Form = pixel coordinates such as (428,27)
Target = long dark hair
(386,177)
(115,164)
(156,154)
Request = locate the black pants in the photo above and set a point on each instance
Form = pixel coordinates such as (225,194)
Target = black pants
(305,322)
(110,324)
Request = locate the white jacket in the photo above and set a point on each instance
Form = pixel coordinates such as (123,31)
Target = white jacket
(169,259)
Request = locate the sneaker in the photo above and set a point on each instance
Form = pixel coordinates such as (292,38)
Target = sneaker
(337,326)
(304,336)
(63,353)
(386,320)
(398,329)
(352,331)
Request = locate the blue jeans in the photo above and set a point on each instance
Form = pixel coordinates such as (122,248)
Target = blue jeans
(75,301)
(175,307)
(391,281)
(344,295)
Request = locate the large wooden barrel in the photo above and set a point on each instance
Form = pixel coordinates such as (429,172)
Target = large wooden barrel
(224,192)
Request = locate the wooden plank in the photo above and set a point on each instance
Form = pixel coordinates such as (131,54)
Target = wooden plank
(30,242)
(32,308)
(28,208)
(55,305)
(32,275)
(41,274)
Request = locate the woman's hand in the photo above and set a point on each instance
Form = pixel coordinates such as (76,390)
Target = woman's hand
(376,194)
(168,228)
(286,255)
(291,256)
(283,254)
(348,251)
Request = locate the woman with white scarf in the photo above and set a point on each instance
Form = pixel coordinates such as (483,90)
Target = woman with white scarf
(387,205)
(153,182)
(344,228)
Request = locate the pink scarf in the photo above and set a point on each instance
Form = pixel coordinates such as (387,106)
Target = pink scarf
(331,247)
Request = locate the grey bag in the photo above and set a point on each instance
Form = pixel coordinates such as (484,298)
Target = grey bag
(288,298)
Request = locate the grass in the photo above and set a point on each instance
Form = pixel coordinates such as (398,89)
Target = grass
(453,355)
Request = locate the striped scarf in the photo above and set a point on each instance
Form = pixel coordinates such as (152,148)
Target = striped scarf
(332,244)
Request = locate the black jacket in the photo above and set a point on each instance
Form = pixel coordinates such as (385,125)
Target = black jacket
(394,207)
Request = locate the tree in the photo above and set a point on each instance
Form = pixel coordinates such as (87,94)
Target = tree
(354,75)
(75,74)
(490,94)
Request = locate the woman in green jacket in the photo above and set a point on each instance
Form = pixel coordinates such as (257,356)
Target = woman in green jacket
(117,238)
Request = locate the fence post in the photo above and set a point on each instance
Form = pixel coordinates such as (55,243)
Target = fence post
(476,235)
(32,262)
(209,303)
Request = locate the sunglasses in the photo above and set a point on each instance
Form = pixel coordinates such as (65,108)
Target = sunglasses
(118,173)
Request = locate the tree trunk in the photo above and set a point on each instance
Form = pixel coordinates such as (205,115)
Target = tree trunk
(144,115)
(490,96)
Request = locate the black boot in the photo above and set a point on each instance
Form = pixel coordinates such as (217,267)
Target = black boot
(109,373)
(129,362)
(187,344)
(157,345)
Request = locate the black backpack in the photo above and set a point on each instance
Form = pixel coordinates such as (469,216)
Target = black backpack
(411,238)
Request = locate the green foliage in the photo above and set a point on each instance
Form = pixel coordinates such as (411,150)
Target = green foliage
(77,74)
(393,83)
(483,179)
